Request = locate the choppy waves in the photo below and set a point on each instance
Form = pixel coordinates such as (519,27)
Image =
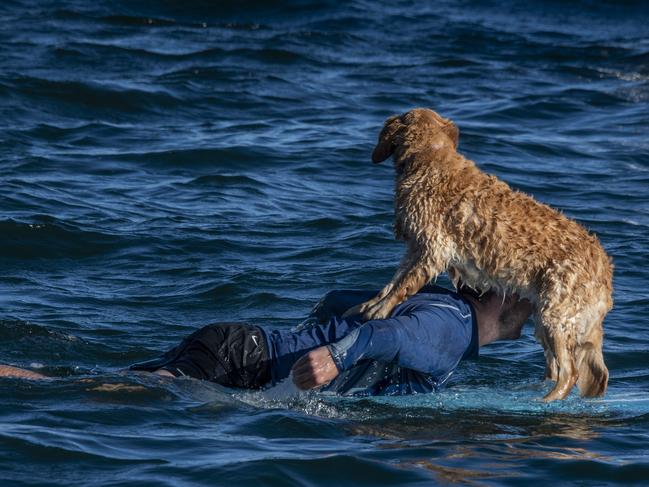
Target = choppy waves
(164,166)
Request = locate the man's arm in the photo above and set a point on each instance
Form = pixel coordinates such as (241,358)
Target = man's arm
(432,338)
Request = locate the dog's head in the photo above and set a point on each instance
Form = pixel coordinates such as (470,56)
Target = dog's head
(419,126)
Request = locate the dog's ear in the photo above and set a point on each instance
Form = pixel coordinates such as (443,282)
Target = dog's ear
(386,145)
(450,129)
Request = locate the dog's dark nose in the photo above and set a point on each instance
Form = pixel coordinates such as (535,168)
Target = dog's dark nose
(379,154)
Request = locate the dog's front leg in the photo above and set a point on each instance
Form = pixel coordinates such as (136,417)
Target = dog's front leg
(420,271)
(359,308)
(404,266)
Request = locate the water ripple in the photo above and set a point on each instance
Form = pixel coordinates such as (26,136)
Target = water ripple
(168,165)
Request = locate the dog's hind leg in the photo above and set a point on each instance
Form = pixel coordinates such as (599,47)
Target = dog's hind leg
(558,315)
(593,374)
(563,349)
(551,368)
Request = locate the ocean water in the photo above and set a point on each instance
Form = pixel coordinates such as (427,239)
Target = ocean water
(164,165)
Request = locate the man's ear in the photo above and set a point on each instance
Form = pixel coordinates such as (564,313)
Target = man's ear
(386,144)
(450,129)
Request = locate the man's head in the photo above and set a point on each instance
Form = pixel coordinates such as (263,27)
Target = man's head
(513,314)
(499,318)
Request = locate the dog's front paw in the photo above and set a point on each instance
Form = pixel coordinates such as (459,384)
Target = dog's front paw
(376,311)
(363,307)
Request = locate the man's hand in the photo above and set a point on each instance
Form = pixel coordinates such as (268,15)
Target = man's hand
(354,310)
(314,369)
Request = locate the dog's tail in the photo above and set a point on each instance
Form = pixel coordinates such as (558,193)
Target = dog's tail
(593,374)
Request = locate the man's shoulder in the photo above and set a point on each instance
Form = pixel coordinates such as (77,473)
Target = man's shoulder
(435,289)
(433,296)
(433,293)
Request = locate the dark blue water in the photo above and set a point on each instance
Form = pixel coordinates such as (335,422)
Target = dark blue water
(164,165)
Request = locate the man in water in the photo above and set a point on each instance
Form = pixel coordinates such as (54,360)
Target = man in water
(414,351)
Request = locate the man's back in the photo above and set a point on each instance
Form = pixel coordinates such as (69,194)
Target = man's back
(413,351)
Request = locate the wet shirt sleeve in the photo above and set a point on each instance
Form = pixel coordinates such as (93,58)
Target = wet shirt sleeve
(428,338)
(287,346)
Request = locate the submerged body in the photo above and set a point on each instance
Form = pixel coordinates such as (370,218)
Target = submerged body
(414,351)
(454,217)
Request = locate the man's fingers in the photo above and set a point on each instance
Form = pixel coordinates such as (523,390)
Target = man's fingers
(303,373)
(307,374)
(302,367)
(354,310)
(308,363)
(314,369)
(302,363)
(305,379)
(304,383)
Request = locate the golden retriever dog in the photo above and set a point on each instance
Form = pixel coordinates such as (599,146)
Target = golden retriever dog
(452,216)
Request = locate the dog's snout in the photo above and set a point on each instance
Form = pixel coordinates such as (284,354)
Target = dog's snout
(386,145)
(381,153)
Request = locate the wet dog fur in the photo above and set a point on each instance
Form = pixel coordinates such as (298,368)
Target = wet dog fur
(454,217)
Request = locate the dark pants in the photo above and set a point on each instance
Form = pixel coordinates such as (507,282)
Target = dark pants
(230,354)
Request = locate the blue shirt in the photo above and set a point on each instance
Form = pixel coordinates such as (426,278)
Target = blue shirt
(415,350)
